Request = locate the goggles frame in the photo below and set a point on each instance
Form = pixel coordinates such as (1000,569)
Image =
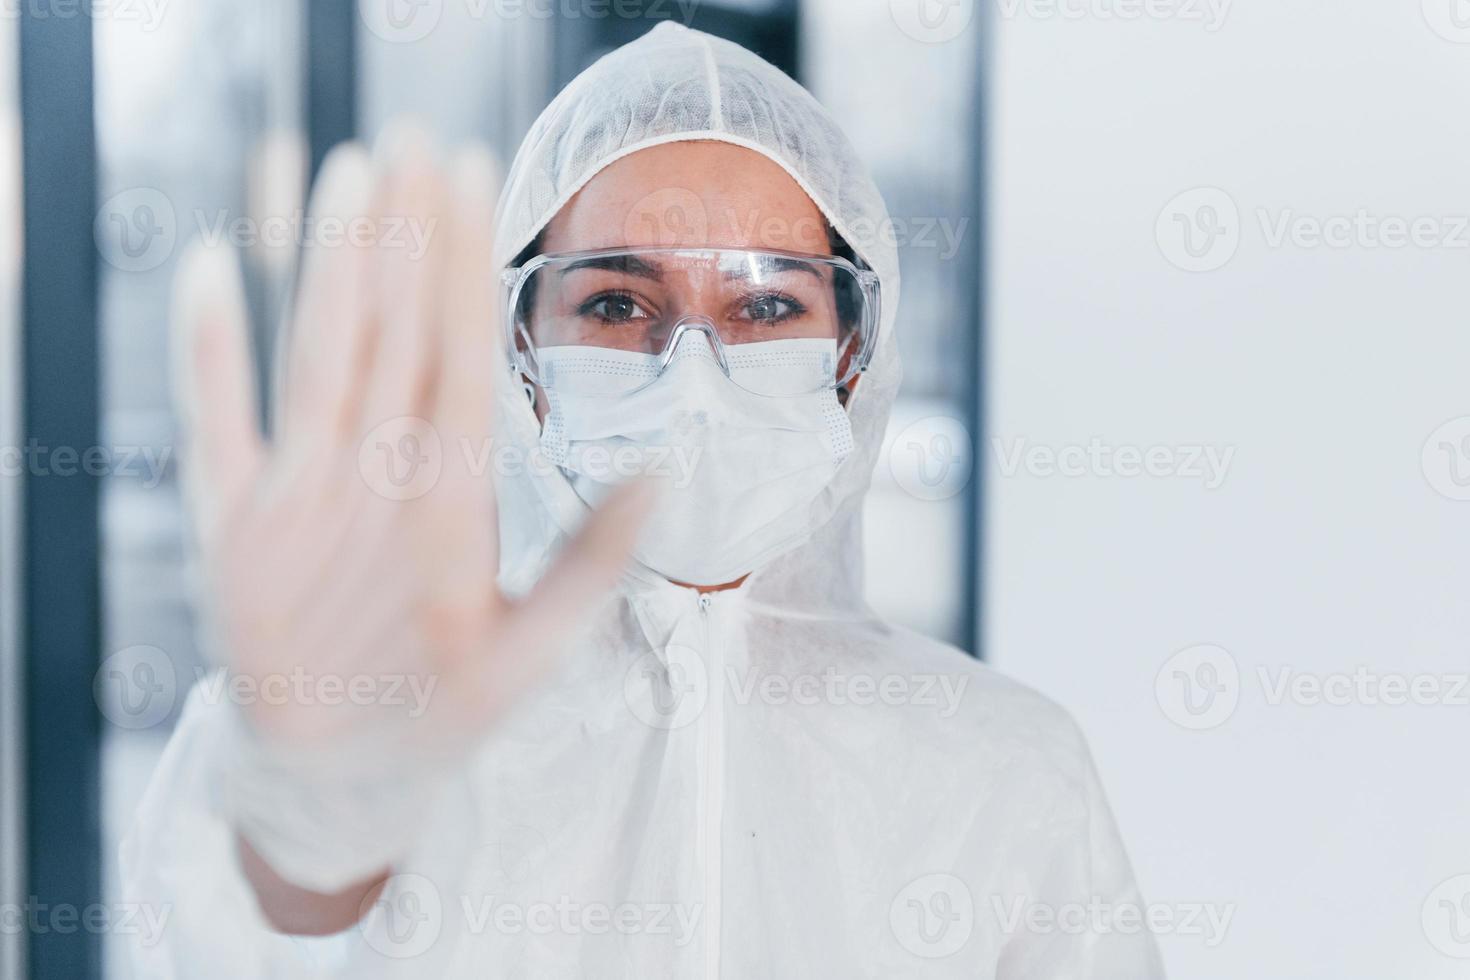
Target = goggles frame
(513,280)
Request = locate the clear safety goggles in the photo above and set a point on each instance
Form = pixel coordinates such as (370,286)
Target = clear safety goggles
(749,305)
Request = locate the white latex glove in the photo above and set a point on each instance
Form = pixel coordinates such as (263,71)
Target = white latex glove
(312,573)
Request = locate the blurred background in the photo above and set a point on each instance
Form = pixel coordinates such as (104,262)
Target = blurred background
(1184,441)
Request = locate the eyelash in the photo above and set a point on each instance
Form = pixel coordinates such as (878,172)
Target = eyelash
(588,308)
(796,307)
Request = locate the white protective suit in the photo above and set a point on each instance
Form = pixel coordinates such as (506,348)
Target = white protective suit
(763,782)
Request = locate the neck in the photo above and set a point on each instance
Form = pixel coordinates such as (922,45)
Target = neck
(713,588)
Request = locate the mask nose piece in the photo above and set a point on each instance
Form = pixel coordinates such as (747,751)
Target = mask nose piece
(695,337)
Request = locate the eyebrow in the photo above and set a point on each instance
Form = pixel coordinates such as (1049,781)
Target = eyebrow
(634,266)
(781,263)
(630,264)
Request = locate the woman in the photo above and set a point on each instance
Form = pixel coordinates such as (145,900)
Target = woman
(669,739)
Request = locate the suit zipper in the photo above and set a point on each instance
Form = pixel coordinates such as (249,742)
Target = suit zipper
(712,829)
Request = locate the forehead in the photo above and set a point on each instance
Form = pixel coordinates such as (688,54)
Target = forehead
(703,193)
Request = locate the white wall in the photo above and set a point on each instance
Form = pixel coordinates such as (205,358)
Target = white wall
(1328,546)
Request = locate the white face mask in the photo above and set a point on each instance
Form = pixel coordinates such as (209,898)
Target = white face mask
(740,469)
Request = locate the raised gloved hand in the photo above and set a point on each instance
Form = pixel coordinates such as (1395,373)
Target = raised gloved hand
(319,575)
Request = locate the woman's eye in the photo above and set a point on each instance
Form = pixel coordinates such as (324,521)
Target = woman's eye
(614,308)
(772,309)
